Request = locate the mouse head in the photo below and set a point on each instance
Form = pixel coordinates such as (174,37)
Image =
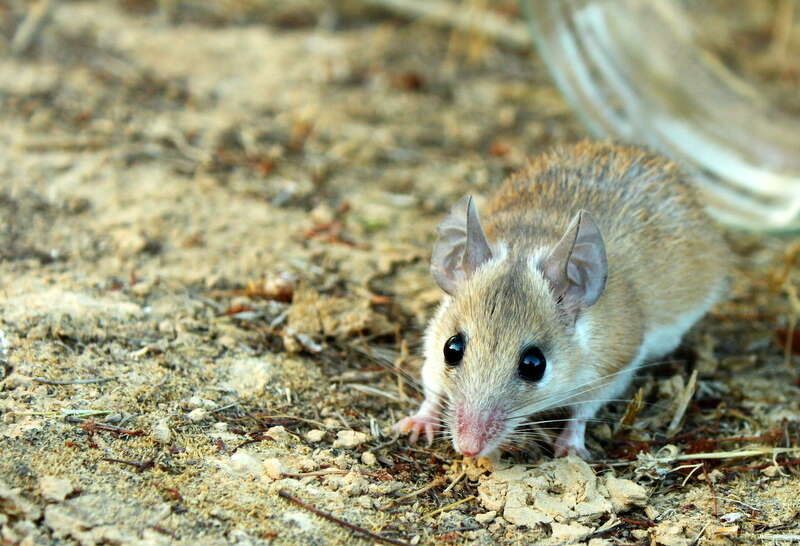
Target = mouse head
(506,336)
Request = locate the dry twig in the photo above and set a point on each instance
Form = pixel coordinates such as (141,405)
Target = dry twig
(683,403)
(366,389)
(455,481)
(736,454)
(435,483)
(138,465)
(30,29)
(780,538)
(634,407)
(449,506)
(332,472)
(72,381)
(91,427)
(330,517)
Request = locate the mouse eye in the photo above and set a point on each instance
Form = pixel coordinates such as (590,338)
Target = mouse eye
(454,350)
(532,364)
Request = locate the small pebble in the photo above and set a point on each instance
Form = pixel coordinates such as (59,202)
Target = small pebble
(279,433)
(624,493)
(197,414)
(114,418)
(161,432)
(15,380)
(55,489)
(732,517)
(166,327)
(197,402)
(770,471)
(273,468)
(244,463)
(228,341)
(368,458)
(322,214)
(350,438)
(315,435)
(486,517)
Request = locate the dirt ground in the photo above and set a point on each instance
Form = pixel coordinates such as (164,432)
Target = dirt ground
(215,224)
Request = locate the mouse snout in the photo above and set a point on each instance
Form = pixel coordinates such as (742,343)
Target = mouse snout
(475,431)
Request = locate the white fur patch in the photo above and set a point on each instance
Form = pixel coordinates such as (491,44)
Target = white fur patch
(583,331)
(536,258)
(664,339)
(499,252)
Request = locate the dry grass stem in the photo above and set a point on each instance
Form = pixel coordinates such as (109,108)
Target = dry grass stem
(449,506)
(455,481)
(683,403)
(374,391)
(435,483)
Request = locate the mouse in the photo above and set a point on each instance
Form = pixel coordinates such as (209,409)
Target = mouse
(594,259)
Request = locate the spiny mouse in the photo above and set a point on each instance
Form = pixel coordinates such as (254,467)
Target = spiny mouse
(594,259)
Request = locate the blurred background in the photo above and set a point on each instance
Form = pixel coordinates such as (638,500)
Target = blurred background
(710,84)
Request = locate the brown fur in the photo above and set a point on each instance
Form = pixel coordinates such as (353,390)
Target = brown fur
(663,250)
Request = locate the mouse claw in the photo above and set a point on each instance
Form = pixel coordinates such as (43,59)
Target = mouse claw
(429,434)
(414,425)
(571,441)
(580,451)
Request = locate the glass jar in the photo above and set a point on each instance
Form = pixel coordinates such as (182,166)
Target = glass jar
(635,70)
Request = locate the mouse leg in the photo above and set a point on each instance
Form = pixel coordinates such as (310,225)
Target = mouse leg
(425,421)
(573,437)
(572,440)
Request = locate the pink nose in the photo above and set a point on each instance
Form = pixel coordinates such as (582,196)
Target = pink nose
(471,440)
(470,445)
(473,432)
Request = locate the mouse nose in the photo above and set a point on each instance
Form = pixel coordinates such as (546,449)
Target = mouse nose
(470,453)
(474,431)
(470,445)
(470,435)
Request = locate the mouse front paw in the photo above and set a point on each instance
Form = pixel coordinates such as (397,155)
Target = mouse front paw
(572,441)
(562,450)
(414,425)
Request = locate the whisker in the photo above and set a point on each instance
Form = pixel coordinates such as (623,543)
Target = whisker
(594,383)
(578,390)
(590,420)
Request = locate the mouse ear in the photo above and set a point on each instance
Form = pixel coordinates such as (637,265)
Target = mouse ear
(461,247)
(576,267)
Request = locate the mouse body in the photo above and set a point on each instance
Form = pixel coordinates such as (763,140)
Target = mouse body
(594,259)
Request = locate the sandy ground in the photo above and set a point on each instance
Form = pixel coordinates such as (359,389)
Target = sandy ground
(214,246)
